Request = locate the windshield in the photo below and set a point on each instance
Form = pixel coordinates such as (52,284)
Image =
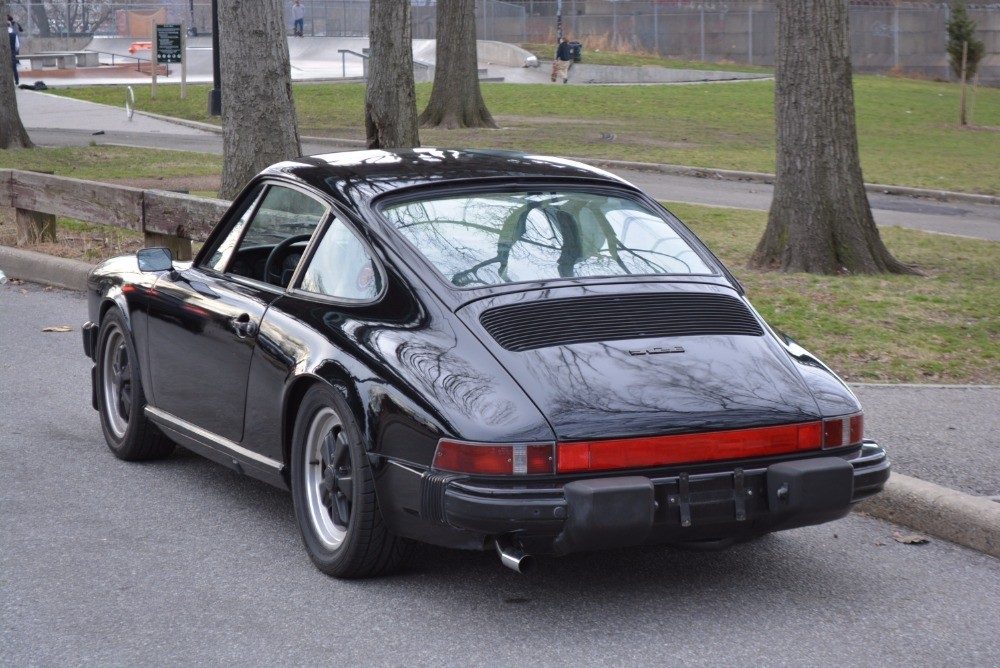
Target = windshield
(492,238)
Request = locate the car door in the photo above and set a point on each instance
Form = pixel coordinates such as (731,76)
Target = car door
(203,321)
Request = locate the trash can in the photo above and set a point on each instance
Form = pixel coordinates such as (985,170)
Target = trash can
(576,48)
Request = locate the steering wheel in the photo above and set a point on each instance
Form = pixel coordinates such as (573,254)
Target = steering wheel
(273,271)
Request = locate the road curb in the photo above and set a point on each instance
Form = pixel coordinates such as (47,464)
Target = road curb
(46,269)
(961,518)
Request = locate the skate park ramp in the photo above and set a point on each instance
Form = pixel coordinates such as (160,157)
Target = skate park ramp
(342,58)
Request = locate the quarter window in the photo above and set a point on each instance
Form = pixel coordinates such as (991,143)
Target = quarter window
(342,267)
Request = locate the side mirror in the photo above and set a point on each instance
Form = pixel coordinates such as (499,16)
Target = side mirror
(155,259)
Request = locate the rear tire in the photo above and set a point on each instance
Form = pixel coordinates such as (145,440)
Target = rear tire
(120,399)
(334,493)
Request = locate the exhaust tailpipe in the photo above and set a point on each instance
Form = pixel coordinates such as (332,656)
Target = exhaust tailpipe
(513,557)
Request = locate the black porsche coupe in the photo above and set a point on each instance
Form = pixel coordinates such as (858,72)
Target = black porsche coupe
(475,349)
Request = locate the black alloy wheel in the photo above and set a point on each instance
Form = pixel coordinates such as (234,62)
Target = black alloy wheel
(334,493)
(120,399)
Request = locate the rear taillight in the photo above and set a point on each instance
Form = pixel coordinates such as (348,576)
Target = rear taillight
(493,458)
(688,448)
(847,430)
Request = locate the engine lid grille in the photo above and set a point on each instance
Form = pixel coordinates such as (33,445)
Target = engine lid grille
(559,322)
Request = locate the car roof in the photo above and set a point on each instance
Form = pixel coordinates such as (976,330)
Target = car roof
(353,175)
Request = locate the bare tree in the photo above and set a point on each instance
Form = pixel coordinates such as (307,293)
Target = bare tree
(390,99)
(456,101)
(57,17)
(820,220)
(39,16)
(259,126)
(12,132)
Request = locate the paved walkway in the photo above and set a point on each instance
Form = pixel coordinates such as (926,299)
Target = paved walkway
(53,112)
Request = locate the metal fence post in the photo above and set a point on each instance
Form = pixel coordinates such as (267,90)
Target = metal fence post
(656,31)
(895,37)
(702,34)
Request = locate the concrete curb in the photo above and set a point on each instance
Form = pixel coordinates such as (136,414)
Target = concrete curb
(46,269)
(968,520)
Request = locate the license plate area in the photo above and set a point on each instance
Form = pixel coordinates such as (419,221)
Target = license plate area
(717,498)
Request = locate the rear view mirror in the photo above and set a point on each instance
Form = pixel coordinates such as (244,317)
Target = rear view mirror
(155,259)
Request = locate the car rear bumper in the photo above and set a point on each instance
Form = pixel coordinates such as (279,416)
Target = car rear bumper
(632,510)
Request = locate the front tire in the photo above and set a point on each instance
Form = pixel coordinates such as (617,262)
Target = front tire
(120,399)
(334,493)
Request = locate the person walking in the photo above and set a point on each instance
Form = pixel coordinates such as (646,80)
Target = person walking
(299,18)
(564,58)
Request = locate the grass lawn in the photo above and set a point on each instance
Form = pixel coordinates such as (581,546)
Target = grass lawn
(116,164)
(907,130)
(943,327)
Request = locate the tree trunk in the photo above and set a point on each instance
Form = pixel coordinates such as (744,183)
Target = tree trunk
(820,221)
(259,126)
(40,16)
(390,98)
(456,101)
(12,132)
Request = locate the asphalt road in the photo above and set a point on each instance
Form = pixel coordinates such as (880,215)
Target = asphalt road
(183,562)
(949,435)
(981,221)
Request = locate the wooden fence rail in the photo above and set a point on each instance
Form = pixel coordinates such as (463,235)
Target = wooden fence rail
(165,218)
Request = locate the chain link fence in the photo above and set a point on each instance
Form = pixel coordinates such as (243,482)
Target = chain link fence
(908,37)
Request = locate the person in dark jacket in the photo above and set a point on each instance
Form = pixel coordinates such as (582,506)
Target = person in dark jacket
(564,58)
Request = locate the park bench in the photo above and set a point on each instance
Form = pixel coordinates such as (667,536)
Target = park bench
(62,60)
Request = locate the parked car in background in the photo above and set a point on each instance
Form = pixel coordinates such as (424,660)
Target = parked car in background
(474,349)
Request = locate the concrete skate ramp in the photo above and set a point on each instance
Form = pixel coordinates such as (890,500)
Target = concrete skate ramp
(607,74)
(322,58)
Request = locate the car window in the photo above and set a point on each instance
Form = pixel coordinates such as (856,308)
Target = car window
(491,238)
(341,266)
(269,239)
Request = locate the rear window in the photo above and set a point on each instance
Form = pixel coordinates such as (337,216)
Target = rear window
(484,239)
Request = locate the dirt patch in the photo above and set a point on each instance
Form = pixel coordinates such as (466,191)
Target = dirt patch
(76,241)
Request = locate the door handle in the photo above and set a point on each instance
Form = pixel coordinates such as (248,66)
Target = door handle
(244,326)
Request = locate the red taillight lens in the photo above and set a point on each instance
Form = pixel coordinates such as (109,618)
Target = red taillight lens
(687,448)
(493,458)
(847,430)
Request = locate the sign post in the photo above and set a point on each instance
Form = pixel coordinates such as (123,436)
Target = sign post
(168,45)
(184,71)
(153,58)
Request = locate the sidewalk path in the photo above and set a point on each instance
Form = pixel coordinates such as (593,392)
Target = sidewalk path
(44,110)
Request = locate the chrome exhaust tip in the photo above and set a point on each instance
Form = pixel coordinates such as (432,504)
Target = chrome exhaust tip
(513,557)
